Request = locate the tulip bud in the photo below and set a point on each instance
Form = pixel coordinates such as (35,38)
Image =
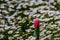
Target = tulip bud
(36,23)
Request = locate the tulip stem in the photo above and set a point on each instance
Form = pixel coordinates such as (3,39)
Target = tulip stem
(37,33)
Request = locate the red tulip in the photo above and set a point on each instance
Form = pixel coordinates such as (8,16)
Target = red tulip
(36,23)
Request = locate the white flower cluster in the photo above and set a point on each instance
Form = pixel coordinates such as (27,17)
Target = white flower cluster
(16,19)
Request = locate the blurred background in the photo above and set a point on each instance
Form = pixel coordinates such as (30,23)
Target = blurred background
(16,19)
